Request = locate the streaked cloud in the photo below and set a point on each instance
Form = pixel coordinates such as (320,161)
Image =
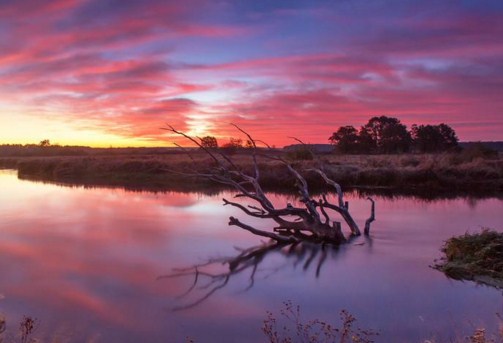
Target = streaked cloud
(122,69)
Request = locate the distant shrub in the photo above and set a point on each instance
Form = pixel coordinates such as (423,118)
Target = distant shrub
(300,154)
(409,161)
(209,142)
(232,147)
(478,150)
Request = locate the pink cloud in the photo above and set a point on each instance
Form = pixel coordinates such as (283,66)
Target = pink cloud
(36,8)
(123,69)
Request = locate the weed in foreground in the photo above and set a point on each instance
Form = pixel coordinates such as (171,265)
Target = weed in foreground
(480,335)
(26,328)
(290,328)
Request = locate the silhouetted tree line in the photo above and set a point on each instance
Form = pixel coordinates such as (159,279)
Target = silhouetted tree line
(231,147)
(387,135)
(46,148)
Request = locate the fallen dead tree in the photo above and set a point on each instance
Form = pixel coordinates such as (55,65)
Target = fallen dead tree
(312,221)
(305,235)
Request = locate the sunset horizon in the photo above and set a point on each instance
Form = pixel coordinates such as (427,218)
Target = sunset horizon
(251,171)
(112,73)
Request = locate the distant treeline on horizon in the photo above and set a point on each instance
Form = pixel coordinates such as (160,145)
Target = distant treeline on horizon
(20,150)
(29,150)
(380,135)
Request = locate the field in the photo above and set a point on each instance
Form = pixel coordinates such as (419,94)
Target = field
(467,172)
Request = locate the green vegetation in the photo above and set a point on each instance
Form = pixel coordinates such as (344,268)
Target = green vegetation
(477,257)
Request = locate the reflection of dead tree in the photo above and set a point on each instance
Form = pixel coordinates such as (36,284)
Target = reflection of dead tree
(309,222)
(305,233)
(215,274)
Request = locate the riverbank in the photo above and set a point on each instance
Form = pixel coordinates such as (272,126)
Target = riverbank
(442,174)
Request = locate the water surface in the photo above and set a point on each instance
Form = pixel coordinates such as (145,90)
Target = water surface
(86,263)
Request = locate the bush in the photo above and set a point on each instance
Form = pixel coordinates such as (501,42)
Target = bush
(478,151)
(300,154)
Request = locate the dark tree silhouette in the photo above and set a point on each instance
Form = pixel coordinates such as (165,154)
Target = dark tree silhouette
(208,142)
(346,139)
(44,143)
(433,138)
(387,134)
(449,135)
(366,143)
(232,146)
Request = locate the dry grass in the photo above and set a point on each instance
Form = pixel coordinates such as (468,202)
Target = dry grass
(291,328)
(456,173)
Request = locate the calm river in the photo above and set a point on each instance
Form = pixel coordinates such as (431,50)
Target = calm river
(87,264)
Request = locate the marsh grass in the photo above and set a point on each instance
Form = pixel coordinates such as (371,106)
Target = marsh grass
(27,327)
(477,257)
(454,172)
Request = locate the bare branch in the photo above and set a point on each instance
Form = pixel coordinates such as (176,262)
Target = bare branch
(322,209)
(206,296)
(321,261)
(371,218)
(355,231)
(304,145)
(172,129)
(332,183)
(257,214)
(254,154)
(278,238)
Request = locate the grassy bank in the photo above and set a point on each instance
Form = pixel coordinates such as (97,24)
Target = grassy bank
(477,257)
(417,174)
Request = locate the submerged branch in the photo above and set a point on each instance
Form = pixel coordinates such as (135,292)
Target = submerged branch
(278,238)
(371,218)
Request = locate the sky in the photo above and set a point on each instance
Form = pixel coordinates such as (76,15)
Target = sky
(114,72)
